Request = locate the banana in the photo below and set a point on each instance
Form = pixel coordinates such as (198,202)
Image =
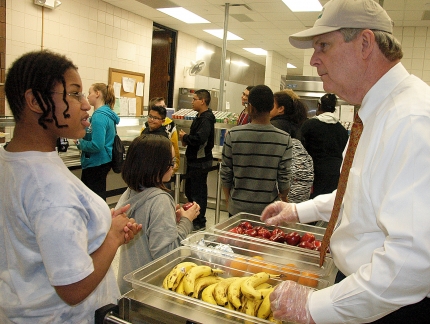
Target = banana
(248,286)
(180,288)
(234,293)
(230,306)
(221,291)
(264,309)
(249,307)
(203,282)
(207,294)
(177,273)
(197,272)
(264,285)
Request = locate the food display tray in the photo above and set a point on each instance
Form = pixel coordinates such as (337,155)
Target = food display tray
(147,282)
(223,228)
(284,257)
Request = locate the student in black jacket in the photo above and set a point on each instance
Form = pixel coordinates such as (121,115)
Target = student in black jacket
(199,143)
(325,138)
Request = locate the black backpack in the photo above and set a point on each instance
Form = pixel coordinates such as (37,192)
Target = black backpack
(118,154)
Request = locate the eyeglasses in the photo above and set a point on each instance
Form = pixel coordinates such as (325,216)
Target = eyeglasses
(77,95)
(174,162)
(154,118)
(194,99)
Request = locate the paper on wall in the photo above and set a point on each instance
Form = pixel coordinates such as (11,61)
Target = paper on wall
(128,84)
(117,106)
(123,103)
(117,89)
(132,106)
(139,89)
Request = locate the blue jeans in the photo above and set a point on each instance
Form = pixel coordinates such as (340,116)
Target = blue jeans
(196,189)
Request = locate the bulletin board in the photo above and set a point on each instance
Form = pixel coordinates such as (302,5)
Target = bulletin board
(116,75)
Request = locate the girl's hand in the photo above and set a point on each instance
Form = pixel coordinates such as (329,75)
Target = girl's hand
(130,229)
(192,212)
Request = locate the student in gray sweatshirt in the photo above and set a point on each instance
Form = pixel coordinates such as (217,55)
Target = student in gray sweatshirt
(150,162)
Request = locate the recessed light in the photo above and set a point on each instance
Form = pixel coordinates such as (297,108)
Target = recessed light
(290,66)
(256,51)
(303,5)
(220,34)
(184,15)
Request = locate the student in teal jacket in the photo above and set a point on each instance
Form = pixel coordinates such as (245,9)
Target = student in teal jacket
(97,144)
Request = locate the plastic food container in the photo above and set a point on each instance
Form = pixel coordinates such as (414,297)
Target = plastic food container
(147,282)
(287,259)
(224,228)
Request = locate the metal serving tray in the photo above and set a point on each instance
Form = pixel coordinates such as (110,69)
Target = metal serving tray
(147,283)
(280,255)
(223,228)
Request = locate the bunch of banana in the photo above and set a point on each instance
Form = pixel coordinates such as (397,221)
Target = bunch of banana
(221,291)
(248,286)
(252,306)
(264,310)
(197,272)
(207,294)
(203,282)
(172,280)
(234,293)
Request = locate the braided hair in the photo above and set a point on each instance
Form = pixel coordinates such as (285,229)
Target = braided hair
(39,71)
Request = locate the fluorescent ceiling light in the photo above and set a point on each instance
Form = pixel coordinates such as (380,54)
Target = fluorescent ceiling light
(256,51)
(184,15)
(303,5)
(220,34)
(290,66)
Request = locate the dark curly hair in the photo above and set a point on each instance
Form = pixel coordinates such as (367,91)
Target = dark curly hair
(328,102)
(39,71)
(294,109)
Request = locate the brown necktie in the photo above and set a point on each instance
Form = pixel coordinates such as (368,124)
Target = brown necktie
(356,131)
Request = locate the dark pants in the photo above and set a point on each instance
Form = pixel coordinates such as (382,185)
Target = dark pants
(415,313)
(196,189)
(95,178)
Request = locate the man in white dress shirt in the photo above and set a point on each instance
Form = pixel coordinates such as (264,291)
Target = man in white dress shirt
(381,242)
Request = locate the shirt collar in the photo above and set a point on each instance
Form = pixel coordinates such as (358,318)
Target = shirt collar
(381,90)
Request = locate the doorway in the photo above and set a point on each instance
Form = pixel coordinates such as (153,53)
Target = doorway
(163,59)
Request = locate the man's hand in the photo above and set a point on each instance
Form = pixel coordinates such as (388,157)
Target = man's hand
(289,302)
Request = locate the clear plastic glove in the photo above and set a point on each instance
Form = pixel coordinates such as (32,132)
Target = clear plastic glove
(280,212)
(289,302)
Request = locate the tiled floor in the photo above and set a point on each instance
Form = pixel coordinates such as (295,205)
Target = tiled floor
(210,221)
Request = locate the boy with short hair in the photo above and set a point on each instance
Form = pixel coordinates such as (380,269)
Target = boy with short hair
(256,159)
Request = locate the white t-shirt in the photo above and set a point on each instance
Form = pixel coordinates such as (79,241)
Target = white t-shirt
(50,224)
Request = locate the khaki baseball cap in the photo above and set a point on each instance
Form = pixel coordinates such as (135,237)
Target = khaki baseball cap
(337,14)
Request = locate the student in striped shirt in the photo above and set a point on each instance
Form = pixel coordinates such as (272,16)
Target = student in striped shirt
(256,159)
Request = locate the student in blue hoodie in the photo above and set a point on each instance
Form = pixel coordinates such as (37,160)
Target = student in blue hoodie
(97,144)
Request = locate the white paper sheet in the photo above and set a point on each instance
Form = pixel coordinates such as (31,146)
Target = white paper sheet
(117,89)
(128,84)
(139,89)
(123,103)
(132,106)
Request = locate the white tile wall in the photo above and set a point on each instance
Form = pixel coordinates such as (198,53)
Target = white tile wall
(276,65)
(86,31)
